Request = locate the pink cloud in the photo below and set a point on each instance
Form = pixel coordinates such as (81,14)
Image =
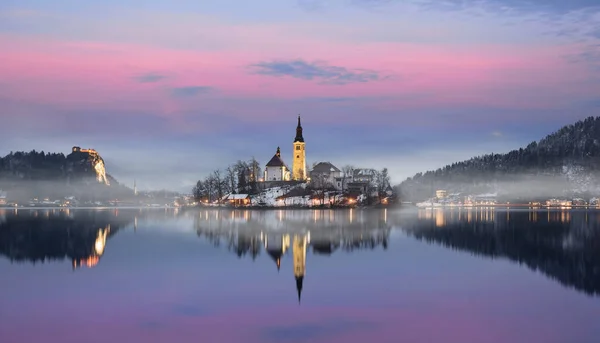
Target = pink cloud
(72,74)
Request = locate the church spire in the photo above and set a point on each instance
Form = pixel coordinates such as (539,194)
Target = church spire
(299,137)
(278,153)
(299,280)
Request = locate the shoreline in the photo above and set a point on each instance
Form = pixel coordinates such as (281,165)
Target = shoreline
(254,208)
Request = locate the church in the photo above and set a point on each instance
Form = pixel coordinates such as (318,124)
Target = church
(277,170)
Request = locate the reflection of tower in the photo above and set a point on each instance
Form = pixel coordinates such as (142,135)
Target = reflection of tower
(277,248)
(135,224)
(299,252)
(299,162)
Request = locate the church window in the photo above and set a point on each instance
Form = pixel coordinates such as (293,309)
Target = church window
(297,147)
(297,156)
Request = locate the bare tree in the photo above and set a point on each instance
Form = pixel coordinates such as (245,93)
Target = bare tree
(347,175)
(255,171)
(199,191)
(242,170)
(320,183)
(209,184)
(231,175)
(219,184)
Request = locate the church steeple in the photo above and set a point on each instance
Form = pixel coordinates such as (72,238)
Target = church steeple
(299,252)
(299,280)
(299,137)
(278,153)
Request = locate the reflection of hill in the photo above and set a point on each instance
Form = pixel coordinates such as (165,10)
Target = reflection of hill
(39,236)
(563,245)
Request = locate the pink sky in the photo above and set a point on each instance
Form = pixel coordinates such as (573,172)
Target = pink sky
(208,66)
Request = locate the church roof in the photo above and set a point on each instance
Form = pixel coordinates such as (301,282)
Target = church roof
(325,167)
(276,161)
(276,255)
(299,281)
(299,137)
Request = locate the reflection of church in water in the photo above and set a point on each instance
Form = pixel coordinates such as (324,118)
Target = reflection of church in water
(294,234)
(277,247)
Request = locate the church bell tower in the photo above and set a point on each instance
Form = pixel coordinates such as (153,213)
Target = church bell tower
(299,162)
(299,252)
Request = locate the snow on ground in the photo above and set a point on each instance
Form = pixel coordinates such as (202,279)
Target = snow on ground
(269,197)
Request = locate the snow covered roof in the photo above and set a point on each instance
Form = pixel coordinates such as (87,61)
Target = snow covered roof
(325,167)
(364,172)
(237,196)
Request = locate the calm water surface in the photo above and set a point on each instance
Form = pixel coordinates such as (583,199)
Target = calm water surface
(299,276)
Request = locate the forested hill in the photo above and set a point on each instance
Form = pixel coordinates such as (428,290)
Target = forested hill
(563,163)
(41,166)
(25,175)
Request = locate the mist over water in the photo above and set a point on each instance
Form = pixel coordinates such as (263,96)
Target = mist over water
(300,275)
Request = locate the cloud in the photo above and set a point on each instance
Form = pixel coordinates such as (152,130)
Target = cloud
(497,134)
(150,77)
(190,91)
(315,70)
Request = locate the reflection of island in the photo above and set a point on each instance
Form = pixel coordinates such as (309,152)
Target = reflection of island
(564,245)
(324,231)
(46,235)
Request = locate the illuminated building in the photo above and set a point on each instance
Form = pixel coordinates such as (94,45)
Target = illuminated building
(299,162)
(299,252)
(276,169)
(440,193)
(97,161)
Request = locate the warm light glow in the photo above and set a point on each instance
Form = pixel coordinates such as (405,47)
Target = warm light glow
(101,172)
(101,241)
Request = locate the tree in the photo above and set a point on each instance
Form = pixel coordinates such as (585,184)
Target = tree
(219,184)
(231,179)
(347,174)
(383,183)
(241,168)
(199,191)
(320,183)
(255,171)
(209,184)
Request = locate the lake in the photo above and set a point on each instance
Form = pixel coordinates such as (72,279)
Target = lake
(405,275)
